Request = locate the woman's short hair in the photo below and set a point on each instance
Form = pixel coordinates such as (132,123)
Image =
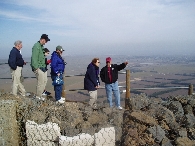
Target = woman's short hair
(94,60)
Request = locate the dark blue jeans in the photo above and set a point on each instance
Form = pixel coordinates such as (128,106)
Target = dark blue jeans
(58,92)
(57,89)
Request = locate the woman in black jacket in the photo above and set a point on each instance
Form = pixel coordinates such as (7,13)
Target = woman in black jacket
(91,80)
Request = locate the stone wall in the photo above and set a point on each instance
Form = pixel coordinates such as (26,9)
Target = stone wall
(9,134)
(72,118)
(149,121)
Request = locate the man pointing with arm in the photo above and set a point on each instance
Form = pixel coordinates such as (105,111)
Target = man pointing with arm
(109,75)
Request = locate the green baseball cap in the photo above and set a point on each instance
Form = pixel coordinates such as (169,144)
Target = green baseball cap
(59,48)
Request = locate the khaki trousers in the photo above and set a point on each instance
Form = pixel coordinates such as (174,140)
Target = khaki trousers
(41,81)
(17,85)
(93,97)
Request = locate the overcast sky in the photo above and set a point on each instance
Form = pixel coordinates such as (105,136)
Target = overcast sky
(97,27)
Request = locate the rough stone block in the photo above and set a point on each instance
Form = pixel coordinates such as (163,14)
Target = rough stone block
(9,131)
(183,133)
(184,141)
(189,121)
(142,118)
(166,142)
(2,142)
(157,132)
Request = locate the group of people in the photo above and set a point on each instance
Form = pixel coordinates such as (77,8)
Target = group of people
(39,67)
(108,75)
(39,62)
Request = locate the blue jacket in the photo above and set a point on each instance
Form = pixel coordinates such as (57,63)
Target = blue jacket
(91,79)
(15,59)
(57,64)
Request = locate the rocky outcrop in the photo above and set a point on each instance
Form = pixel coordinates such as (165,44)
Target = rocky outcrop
(164,123)
(147,122)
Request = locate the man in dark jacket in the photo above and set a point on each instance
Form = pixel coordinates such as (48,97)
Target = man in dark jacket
(109,75)
(16,63)
(91,80)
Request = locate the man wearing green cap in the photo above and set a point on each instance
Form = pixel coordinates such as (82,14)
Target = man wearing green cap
(57,70)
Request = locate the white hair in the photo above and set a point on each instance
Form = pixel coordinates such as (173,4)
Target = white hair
(16,43)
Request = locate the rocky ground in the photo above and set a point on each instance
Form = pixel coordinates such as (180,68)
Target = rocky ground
(146,122)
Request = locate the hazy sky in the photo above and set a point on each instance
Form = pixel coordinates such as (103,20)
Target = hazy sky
(129,27)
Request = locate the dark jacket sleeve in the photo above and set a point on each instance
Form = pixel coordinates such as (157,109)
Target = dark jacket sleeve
(102,74)
(54,64)
(121,66)
(12,59)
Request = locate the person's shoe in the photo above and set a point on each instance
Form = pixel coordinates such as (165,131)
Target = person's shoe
(27,94)
(46,93)
(60,101)
(42,98)
(62,98)
(36,97)
(94,106)
(119,107)
(39,98)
